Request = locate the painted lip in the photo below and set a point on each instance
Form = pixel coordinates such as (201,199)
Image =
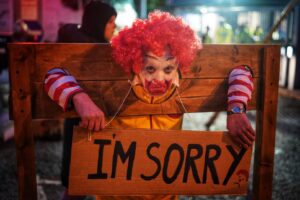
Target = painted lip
(157,88)
(157,91)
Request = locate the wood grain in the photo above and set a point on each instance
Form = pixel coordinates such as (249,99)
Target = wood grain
(266,125)
(198,95)
(21,61)
(94,61)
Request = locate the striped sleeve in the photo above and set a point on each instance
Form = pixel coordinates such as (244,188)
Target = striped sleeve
(60,85)
(240,85)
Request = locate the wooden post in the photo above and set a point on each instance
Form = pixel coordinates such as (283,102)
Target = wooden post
(20,63)
(266,125)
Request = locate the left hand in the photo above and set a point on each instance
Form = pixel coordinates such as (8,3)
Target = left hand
(240,129)
(91,116)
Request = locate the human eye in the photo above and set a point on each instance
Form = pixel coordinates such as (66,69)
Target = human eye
(169,69)
(111,21)
(150,69)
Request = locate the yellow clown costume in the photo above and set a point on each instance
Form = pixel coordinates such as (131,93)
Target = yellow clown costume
(163,122)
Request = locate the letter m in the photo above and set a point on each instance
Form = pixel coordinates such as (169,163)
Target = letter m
(119,152)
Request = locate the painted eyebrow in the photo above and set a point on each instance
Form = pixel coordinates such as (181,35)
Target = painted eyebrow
(149,56)
(169,58)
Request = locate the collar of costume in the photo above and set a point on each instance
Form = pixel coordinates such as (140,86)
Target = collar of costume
(145,97)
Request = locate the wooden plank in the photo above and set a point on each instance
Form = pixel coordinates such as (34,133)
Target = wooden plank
(177,162)
(198,95)
(21,59)
(266,125)
(94,61)
(216,61)
(84,61)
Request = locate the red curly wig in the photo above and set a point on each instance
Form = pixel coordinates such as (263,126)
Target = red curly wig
(160,31)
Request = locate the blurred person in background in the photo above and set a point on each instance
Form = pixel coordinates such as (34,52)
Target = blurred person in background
(258,34)
(243,35)
(27,31)
(206,37)
(22,32)
(224,33)
(98,26)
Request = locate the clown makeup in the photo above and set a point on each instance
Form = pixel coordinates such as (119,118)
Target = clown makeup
(159,73)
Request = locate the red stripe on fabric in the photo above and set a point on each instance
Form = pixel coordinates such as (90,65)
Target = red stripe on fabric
(243,83)
(51,81)
(60,89)
(238,93)
(237,101)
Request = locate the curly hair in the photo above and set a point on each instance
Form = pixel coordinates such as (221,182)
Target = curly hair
(160,31)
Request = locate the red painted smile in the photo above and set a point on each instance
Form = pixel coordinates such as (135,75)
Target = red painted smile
(157,88)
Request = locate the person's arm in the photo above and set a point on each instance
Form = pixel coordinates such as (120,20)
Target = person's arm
(60,86)
(63,89)
(239,94)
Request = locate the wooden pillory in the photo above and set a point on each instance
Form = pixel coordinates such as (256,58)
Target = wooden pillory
(201,90)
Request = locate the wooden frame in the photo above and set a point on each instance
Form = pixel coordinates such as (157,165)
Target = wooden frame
(203,89)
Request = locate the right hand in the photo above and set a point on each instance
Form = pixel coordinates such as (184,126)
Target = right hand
(240,128)
(91,116)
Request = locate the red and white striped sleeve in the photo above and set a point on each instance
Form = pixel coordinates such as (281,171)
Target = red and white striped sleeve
(60,85)
(240,85)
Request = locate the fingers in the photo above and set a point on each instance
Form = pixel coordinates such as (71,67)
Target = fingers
(84,123)
(238,141)
(92,117)
(92,123)
(243,137)
(251,131)
(99,122)
(95,123)
(249,135)
(102,122)
(245,140)
(246,137)
(241,130)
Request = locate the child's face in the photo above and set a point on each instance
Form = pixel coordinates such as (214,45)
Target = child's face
(159,73)
(110,28)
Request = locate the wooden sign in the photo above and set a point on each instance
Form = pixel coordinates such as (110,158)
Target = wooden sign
(139,162)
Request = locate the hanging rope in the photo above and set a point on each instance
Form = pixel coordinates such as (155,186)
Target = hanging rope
(190,118)
(117,112)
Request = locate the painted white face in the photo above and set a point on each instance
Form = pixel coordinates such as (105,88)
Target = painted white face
(159,73)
